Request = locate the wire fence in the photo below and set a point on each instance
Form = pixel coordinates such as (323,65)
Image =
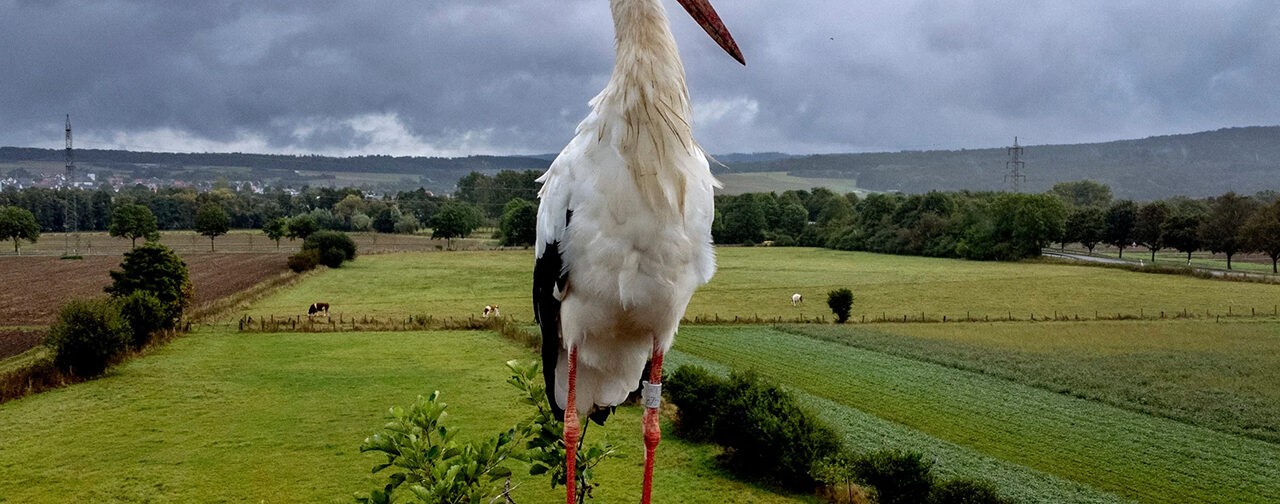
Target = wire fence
(340,322)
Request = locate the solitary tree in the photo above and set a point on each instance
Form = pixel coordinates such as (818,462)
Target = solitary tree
(1220,231)
(1262,232)
(841,303)
(212,221)
(276,229)
(17,224)
(133,221)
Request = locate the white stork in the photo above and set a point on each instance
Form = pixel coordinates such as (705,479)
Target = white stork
(624,230)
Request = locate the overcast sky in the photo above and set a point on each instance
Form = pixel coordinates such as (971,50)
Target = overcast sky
(460,77)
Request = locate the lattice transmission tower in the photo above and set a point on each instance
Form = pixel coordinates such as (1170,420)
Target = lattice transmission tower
(1015,165)
(70,217)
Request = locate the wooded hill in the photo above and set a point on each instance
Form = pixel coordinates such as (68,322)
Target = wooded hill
(1245,160)
(433,173)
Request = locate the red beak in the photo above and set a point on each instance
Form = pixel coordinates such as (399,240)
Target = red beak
(706,16)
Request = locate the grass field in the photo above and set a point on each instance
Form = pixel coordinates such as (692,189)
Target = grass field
(226,416)
(759,282)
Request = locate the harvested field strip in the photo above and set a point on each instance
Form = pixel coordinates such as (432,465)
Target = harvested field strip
(1137,456)
(1224,376)
(16,341)
(50,282)
(864,433)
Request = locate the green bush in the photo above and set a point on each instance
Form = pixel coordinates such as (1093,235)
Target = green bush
(695,391)
(87,336)
(305,260)
(145,315)
(897,477)
(157,269)
(332,247)
(966,491)
(841,302)
(766,435)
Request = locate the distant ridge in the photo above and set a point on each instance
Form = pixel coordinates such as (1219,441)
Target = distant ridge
(1244,159)
(1209,163)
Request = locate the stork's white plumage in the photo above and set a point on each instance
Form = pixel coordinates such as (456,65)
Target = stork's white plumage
(624,228)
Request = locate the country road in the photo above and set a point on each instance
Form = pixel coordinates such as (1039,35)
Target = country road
(1221,273)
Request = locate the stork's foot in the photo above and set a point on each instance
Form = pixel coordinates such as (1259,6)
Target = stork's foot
(652,435)
(571,436)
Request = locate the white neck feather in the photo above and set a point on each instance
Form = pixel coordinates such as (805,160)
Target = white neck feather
(648,94)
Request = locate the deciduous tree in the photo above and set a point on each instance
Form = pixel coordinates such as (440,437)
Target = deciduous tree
(1182,232)
(1262,232)
(133,221)
(1149,228)
(453,220)
(1220,231)
(1121,217)
(1086,226)
(18,224)
(212,221)
(519,223)
(276,229)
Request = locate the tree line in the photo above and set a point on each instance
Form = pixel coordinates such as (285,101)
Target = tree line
(140,212)
(958,224)
(1002,226)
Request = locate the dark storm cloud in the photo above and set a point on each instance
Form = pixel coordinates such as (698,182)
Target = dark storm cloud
(506,76)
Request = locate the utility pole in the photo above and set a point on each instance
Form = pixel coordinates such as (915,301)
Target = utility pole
(1015,165)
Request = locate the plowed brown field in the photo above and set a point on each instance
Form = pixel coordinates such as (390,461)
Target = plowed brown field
(33,288)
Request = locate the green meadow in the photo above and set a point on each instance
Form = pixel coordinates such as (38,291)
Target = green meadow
(758,282)
(1137,409)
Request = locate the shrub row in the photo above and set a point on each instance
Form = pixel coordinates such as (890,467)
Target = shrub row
(148,295)
(768,437)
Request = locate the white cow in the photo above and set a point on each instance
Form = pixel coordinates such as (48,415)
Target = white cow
(491,310)
(797,299)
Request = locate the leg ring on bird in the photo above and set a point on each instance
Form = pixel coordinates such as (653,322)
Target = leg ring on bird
(652,395)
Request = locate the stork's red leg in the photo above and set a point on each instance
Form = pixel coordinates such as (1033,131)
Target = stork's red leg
(652,397)
(571,430)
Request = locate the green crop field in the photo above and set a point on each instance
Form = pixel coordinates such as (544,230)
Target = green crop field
(1137,456)
(1225,376)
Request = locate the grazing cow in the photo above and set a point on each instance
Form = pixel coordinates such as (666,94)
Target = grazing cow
(318,309)
(491,310)
(797,299)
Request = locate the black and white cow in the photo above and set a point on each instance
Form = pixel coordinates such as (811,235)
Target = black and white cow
(318,309)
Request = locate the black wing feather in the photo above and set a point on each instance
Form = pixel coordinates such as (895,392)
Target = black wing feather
(549,276)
